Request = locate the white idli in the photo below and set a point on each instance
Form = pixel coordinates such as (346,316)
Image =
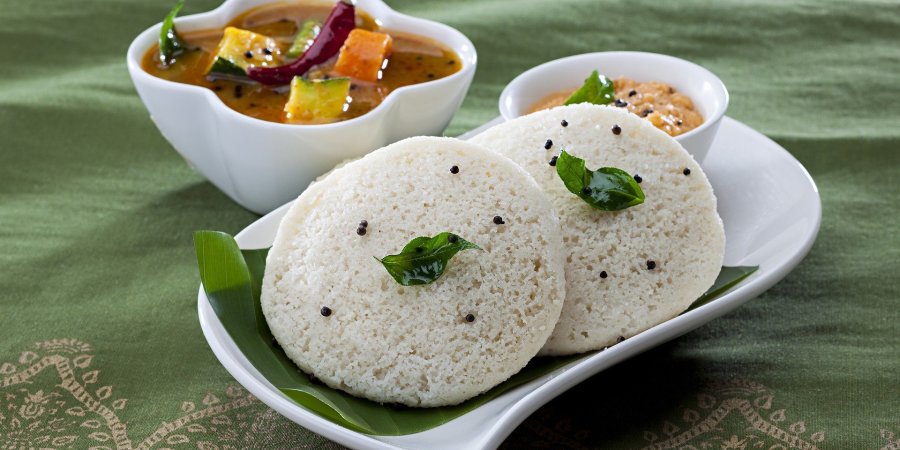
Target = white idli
(610,291)
(413,345)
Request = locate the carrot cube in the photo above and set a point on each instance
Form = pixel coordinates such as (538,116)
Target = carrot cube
(363,54)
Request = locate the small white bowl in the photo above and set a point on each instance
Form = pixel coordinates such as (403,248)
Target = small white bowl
(262,165)
(705,89)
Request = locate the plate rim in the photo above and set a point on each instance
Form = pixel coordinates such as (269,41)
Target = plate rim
(566,377)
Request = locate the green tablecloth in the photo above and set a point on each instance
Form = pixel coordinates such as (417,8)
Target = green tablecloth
(99,340)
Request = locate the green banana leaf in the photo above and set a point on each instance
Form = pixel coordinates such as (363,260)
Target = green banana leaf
(728,278)
(232,278)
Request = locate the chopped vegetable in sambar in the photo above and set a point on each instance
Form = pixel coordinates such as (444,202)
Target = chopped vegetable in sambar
(299,63)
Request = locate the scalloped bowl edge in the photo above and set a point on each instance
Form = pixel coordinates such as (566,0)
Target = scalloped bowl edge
(261,165)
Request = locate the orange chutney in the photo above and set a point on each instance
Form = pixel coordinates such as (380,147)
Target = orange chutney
(414,59)
(659,103)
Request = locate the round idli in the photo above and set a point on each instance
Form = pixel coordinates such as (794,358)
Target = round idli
(427,345)
(627,270)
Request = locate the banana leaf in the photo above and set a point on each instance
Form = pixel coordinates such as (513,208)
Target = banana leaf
(232,278)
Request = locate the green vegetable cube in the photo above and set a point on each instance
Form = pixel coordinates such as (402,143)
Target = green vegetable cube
(304,38)
(317,101)
(240,49)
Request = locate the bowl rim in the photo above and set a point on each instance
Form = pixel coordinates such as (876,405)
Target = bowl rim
(708,122)
(137,49)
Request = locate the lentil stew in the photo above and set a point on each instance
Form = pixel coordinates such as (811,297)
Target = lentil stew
(369,63)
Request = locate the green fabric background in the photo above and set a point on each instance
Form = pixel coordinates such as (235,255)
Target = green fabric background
(96,215)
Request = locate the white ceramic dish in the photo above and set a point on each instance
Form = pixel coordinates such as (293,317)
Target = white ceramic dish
(771,210)
(225,146)
(707,91)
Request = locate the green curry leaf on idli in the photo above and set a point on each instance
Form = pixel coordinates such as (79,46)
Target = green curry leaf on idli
(597,89)
(424,259)
(606,188)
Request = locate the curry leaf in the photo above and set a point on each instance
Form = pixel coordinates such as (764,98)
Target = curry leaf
(424,258)
(597,89)
(170,45)
(606,188)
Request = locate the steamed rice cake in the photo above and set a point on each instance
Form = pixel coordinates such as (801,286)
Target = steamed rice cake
(628,270)
(339,315)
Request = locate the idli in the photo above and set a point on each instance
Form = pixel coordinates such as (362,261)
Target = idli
(340,316)
(626,270)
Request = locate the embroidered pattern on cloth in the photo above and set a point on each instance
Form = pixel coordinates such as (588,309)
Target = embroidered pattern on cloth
(81,411)
(737,415)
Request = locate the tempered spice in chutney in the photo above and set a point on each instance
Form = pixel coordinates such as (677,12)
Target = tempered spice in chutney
(413,59)
(659,103)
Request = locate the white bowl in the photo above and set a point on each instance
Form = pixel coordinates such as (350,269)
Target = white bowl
(705,89)
(262,165)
